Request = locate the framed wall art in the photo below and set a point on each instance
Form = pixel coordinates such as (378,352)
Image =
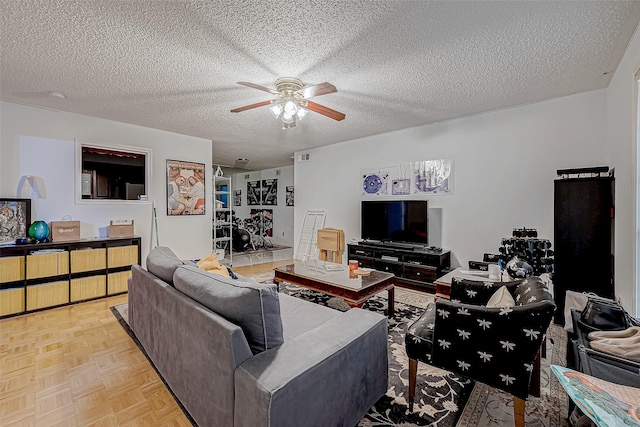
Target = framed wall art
(15,219)
(270,192)
(418,178)
(185,188)
(254,195)
(289,195)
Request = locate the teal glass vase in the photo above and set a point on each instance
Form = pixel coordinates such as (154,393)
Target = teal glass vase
(39,230)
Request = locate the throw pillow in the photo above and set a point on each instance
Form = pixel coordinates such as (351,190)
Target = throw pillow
(252,306)
(211,264)
(501,298)
(162,262)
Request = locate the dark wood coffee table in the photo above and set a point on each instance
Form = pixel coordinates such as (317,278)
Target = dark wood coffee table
(352,288)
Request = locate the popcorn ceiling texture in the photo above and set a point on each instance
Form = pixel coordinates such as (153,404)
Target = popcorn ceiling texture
(173,65)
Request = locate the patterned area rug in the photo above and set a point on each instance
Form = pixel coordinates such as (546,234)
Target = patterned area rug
(442,399)
(440,395)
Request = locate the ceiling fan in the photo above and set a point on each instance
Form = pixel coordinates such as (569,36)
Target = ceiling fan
(292,102)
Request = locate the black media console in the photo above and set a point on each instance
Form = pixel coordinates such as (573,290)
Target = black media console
(414,266)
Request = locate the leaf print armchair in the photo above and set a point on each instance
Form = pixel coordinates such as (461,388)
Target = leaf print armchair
(495,345)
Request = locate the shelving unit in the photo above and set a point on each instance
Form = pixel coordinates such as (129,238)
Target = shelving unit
(65,273)
(222,216)
(584,224)
(415,268)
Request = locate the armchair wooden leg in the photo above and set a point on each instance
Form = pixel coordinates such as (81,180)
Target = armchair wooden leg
(518,411)
(413,372)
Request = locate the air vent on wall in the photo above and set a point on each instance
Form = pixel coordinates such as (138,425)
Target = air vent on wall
(278,172)
(304,157)
(246,176)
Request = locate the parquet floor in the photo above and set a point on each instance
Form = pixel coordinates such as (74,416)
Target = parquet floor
(76,366)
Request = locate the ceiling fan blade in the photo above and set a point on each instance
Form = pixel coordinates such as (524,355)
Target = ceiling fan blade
(255,86)
(317,90)
(325,111)
(249,107)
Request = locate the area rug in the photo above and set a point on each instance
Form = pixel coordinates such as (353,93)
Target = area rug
(443,399)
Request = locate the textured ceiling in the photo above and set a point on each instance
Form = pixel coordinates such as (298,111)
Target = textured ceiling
(173,65)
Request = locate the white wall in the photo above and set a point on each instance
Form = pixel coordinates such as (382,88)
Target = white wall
(40,142)
(622,136)
(505,163)
(282,214)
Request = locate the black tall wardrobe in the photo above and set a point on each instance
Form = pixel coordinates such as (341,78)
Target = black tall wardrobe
(583,238)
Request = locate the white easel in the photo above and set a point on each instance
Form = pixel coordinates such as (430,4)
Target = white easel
(307,244)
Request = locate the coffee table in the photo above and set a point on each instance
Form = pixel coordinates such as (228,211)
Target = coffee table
(354,289)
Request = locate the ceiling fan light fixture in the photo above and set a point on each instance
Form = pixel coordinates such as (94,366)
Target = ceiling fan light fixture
(288,125)
(291,103)
(290,108)
(286,118)
(276,110)
(301,113)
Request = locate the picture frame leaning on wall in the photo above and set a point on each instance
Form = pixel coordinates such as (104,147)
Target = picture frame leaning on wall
(15,219)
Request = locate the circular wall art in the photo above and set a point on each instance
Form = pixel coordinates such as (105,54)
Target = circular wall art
(372,184)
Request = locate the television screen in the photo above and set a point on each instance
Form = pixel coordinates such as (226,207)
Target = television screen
(395,220)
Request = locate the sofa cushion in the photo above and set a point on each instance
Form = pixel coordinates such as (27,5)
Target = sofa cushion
(162,262)
(254,307)
(300,316)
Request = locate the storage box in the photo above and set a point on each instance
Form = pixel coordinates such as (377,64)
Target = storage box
(65,231)
(120,230)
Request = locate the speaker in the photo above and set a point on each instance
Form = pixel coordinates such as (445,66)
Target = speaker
(435,227)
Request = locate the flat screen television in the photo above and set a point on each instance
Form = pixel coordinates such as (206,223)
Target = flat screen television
(395,221)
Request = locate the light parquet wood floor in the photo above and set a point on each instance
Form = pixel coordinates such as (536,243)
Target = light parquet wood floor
(76,366)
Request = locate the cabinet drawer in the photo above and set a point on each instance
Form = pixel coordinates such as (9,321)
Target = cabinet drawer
(364,262)
(11,301)
(88,287)
(361,252)
(121,256)
(11,269)
(88,260)
(47,295)
(117,282)
(420,273)
(47,265)
(389,267)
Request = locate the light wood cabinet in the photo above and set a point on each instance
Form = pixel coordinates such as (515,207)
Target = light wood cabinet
(11,301)
(122,255)
(87,259)
(47,295)
(39,276)
(47,265)
(118,283)
(88,288)
(11,269)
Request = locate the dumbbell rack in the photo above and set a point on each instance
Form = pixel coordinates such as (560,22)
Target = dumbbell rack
(525,244)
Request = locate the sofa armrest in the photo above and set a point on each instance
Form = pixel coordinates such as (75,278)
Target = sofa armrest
(328,376)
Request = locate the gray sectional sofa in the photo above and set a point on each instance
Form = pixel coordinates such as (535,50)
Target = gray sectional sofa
(237,353)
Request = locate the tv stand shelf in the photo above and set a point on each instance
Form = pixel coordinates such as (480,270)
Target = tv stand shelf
(414,267)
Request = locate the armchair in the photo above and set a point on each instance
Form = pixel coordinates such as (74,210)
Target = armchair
(495,345)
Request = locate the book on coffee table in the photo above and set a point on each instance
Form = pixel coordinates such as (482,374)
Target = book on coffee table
(332,267)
